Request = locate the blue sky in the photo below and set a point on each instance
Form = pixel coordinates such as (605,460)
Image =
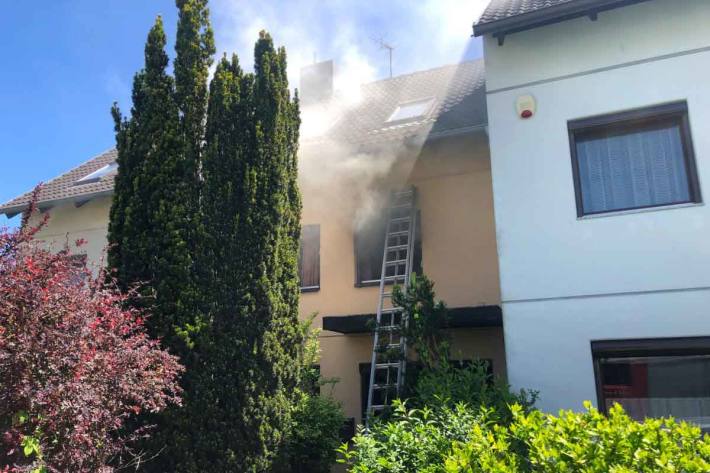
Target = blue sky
(66,61)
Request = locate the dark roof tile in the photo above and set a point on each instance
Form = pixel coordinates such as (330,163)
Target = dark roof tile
(502,9)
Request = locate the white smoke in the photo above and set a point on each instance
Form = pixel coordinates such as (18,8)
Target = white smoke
(425,34)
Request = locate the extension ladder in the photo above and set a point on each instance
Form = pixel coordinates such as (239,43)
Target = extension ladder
(389,351)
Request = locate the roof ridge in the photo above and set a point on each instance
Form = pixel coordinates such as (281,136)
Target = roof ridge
(425,71)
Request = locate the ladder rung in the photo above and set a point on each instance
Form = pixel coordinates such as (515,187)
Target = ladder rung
(384,386)
(395,278)
(390,346)
(392,310)
(391,364)
(400,219)
(379,407)
(389,328)
(403,232)
(395,262)
(397,247)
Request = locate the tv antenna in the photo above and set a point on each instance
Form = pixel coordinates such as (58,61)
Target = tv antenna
(389,48)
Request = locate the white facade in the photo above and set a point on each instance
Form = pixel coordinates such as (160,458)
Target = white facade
(567,281)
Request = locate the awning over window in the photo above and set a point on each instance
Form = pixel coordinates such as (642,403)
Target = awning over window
(461,317)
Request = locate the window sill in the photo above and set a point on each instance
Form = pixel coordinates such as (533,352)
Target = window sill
(644,210)
(371,283)
(310,289)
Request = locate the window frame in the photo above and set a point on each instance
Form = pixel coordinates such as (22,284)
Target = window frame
(642,348)
(416,261)
(428,103)
(634,119)
(314,288)
(97,175)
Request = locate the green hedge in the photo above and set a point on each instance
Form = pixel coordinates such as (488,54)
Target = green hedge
(462,440)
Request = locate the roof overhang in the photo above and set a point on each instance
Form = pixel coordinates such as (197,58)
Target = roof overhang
(546,16)
(44,205)
(460,317)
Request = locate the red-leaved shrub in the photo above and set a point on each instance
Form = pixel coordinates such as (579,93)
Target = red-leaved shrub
(75,364)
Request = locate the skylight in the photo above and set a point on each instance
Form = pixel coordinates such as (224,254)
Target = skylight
(98,174)
(408,111)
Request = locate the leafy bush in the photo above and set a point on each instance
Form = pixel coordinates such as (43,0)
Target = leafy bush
(411,440)
(75,365)
(462,440)
(438,379)
(316,419)
(587,442)
(451,383)
(427,320)
(315,435)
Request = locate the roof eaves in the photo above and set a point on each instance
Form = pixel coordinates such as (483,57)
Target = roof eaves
(546,16)
(12,210)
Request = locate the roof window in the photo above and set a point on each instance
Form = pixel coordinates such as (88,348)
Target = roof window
(411,110)
(98,174)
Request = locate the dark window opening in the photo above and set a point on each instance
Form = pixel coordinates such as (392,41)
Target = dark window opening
(80,272)
(655,377)
(413,369)
(309,258)
(370,247)
(633,160)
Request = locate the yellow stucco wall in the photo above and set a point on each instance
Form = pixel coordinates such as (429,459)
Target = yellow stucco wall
(453,182)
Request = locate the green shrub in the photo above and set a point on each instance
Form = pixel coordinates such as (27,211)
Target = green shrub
(316,418)
(315,435)
(414,440)
(451,383)
(588,442)
(436,378)
(462,440)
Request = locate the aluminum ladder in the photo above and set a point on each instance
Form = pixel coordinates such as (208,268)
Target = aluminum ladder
(389,351)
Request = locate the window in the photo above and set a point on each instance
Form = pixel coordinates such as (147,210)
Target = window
(370,247)
(309,258)
(411,110)
(655,377)
(98,174)
(80,272)
(413,370)
(633,160)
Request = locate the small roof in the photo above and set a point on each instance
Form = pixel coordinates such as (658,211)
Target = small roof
(503,17)
(65,187)
(456,102)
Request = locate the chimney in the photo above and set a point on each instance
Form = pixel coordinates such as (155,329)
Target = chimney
(316,83)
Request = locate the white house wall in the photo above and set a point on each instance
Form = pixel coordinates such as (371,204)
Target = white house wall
(566,281)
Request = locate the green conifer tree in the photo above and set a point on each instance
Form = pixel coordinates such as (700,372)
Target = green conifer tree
(206,217)
(252,227)
(147,144)
(151,229)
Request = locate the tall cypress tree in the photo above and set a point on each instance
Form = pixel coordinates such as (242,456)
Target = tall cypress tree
(153,220)
(147,146)
(206,217)
(252,227)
